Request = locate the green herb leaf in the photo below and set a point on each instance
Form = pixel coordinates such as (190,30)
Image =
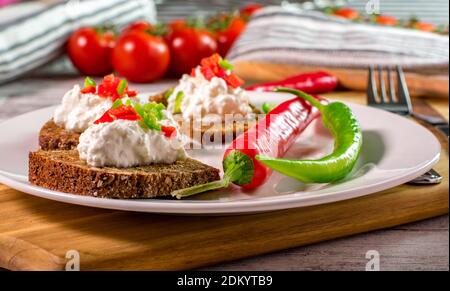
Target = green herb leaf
(121,87)
(226,65)
(178,100)
(238,167)
(117,104)
(128,102)
(267,107)
(168,93)
(89,82)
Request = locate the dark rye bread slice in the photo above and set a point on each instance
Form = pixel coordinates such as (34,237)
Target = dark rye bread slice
(64,171)
(226,132)
(55,137)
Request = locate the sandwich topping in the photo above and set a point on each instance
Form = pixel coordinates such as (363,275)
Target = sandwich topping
(80,107)
(211,88)
(132,134)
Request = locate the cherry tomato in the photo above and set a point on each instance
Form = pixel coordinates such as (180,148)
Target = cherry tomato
(347,13)
(141,57)
(250,9)
(90,50)
(425,26)
(177,24)
(386,20)
(140,25)
(226,38)
(188,46)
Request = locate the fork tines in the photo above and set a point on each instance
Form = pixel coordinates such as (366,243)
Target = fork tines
(395,100)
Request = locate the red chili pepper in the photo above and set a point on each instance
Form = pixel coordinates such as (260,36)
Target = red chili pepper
(271,136)
(312,83)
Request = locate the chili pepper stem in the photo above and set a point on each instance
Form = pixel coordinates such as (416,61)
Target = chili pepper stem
(238,169)
(313,101)
(186,192)
(229,176)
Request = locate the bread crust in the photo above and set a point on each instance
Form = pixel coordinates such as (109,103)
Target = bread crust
(55,137)
(62,170)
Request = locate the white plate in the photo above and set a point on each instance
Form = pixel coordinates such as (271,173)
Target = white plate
(395,150)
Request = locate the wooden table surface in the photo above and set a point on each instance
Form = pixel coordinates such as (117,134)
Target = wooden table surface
(418,246)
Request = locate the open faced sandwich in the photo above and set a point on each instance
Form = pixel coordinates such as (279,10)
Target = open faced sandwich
(79,108)
(210,102)
(109,145)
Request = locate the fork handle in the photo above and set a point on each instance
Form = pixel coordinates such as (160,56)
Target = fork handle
(429,178)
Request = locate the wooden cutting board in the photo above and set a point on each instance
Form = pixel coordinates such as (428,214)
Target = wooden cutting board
(36,234)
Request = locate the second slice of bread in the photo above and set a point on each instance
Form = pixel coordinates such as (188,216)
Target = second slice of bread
(55,137)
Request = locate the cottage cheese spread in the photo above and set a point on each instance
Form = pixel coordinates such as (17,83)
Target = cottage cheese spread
(124,143)
(78,111)
(202,97)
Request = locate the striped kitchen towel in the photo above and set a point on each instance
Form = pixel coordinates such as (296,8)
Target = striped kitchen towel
(293,36)
(34,33)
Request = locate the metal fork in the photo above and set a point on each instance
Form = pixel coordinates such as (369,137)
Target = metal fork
(395,100)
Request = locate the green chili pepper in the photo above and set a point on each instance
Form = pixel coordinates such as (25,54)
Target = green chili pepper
(341,122)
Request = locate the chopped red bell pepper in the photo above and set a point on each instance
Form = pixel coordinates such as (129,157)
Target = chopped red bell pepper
(233,80)
(105,118)
(110,87)
(211,67)
(122,112)
(132,93)
(207,73)
(88,89)
(168,130)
